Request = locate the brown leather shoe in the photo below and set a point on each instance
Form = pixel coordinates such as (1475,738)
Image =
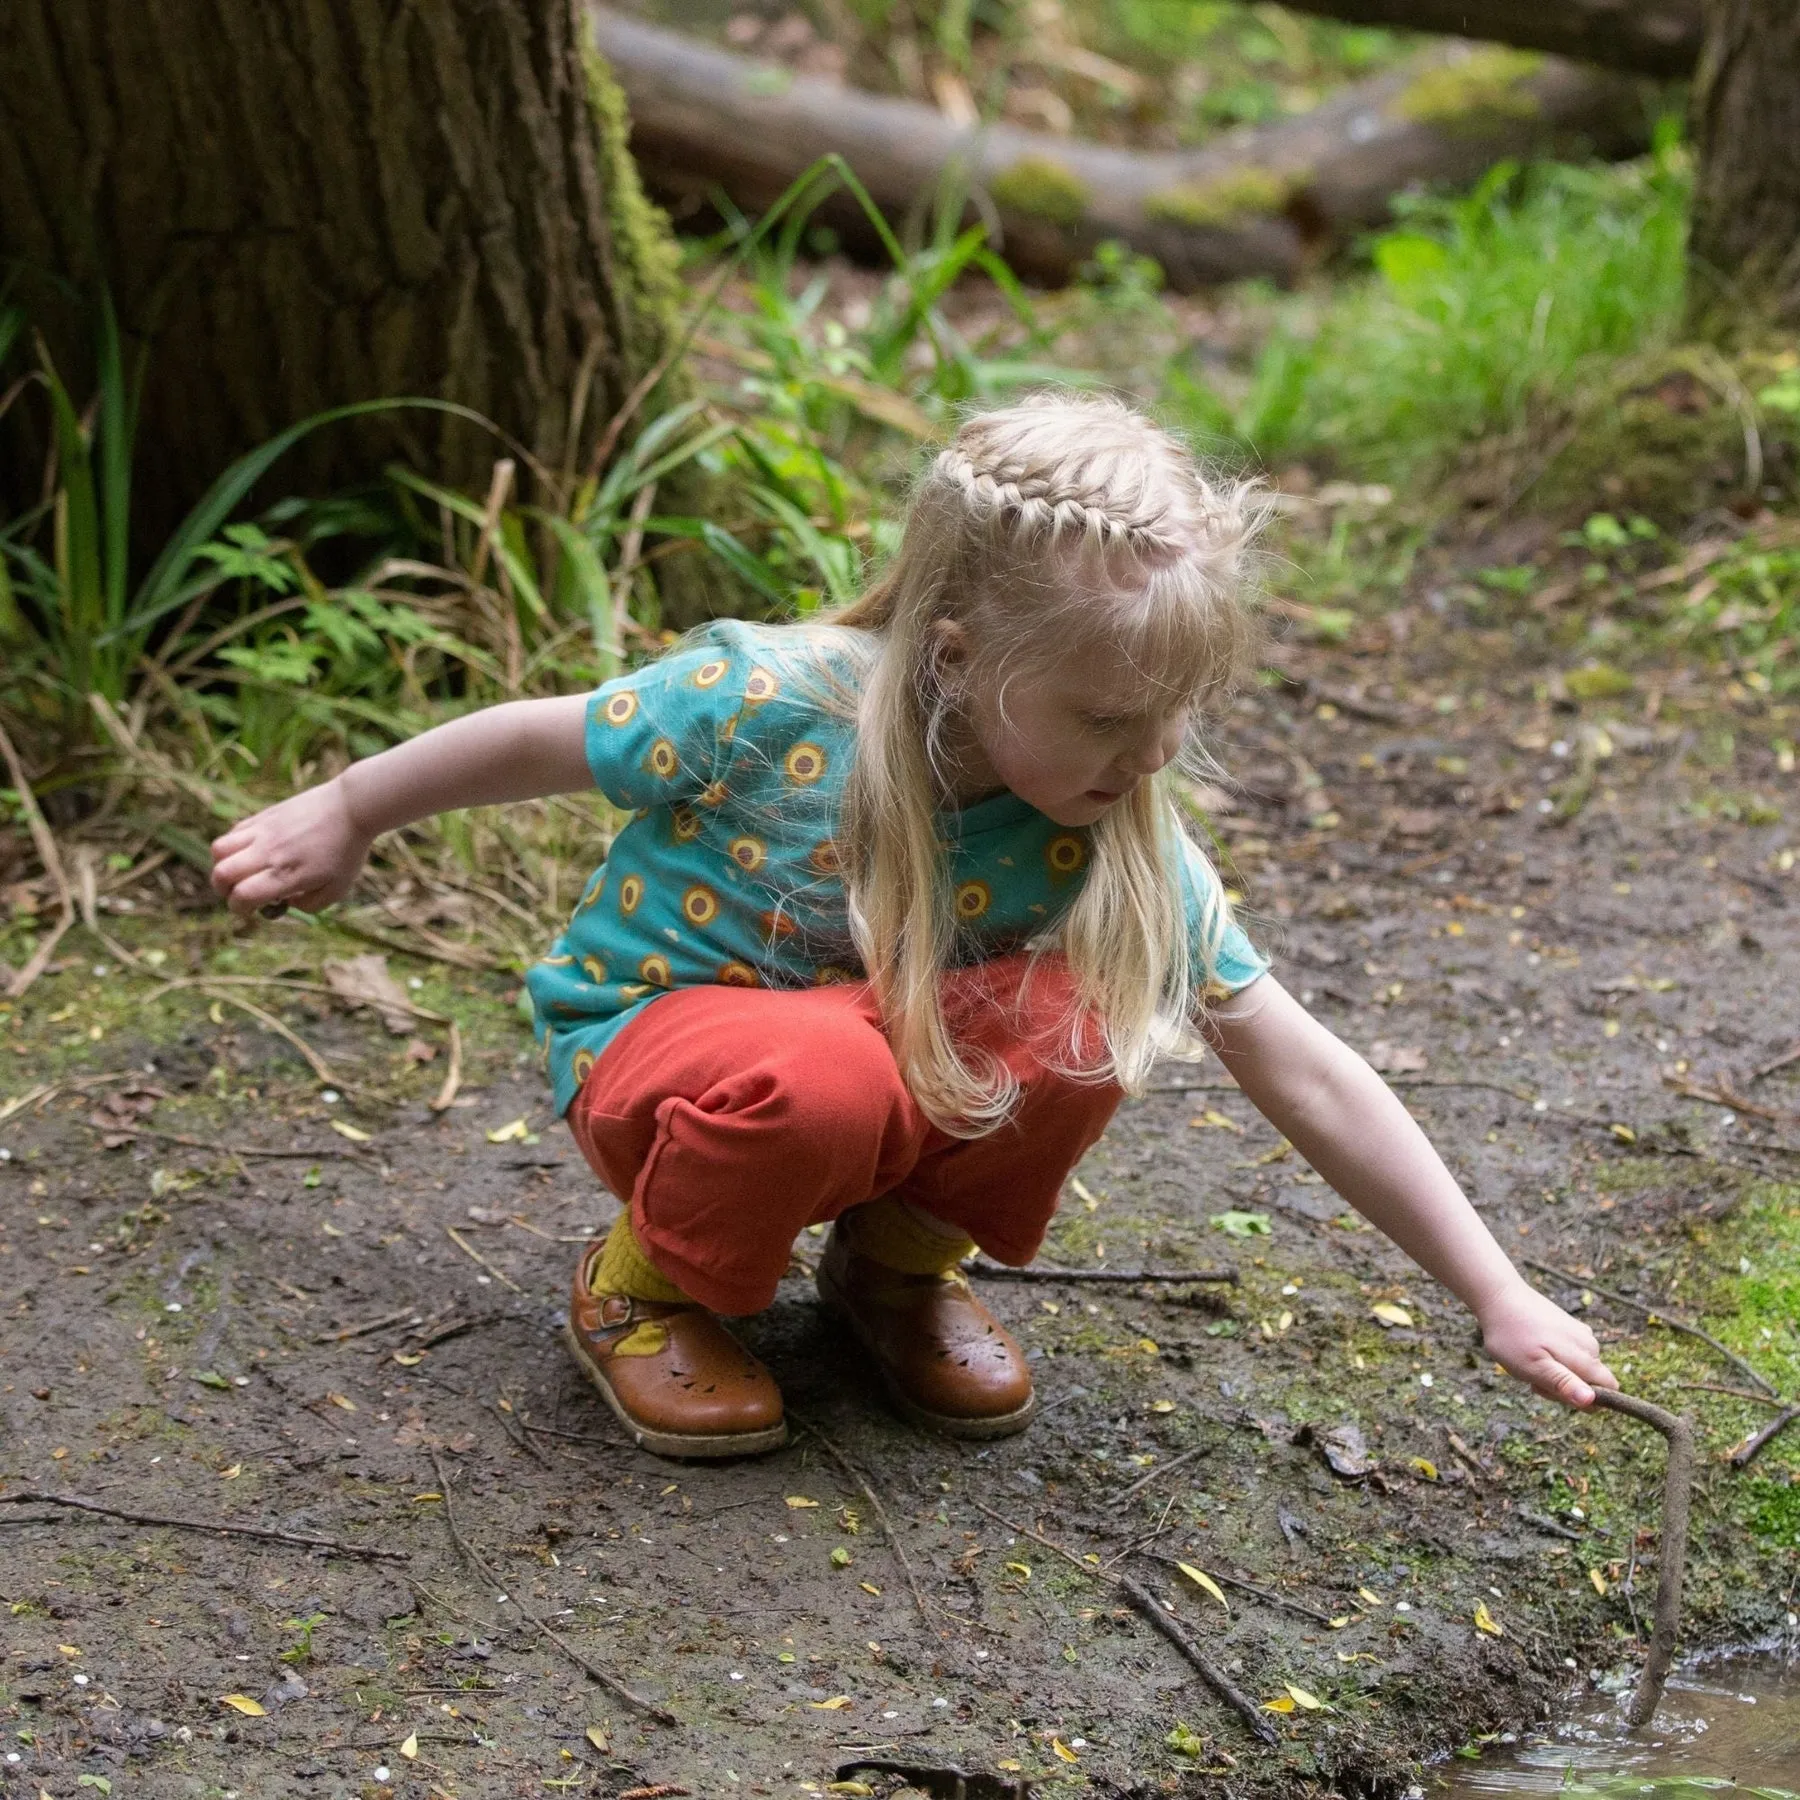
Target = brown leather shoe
(946,1361)
(677,1380)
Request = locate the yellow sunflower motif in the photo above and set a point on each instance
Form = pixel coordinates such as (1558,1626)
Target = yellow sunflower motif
(593,892)
(686,824)
(713,794)
(761,686)
(631,892)
(710,674)
(973,898)
(699,905)
(656,970)
(1065,854)
(620,708)
(596,969)
(632,990)
(555,962)
(826,858)
(583,1065)
(831,974)
(748,853)
(737,974)
(777,925)
(805,763)
(662,759)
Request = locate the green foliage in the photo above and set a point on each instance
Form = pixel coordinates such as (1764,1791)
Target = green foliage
(1479,314)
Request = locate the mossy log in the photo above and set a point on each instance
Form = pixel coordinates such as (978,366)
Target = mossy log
(1648,37)
(1260,202)
(301,207)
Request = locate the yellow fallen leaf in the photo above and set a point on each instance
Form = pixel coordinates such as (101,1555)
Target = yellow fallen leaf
(1599,1582)
(242,1703)
(1624,1134)
(425,1499)
(1022,1570)
(1355,1656)
(836,1703)
(68,1649)
(1149,1346)
(1369,1597)
(1485,1621)
(1162,1406)
(410,1748)
(868,1587)
(1083,1192)
(409,1362)
(1009,1763)
(1301,1698)
(232,1473)
(1215,1121)
(332,1230)
(1205,1583)
(798,1501)
(1423,1465)
(1281,1704)
(507,1134)
(596,1735)
(354,1133)
(848,1787)
(1390,1314)
(343,1401)
(1063,1750)
(1339,1623)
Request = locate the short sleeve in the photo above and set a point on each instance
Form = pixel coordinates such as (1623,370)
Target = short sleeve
(655,736)
(1235,962)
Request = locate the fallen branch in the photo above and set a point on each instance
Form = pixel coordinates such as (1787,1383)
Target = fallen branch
(1270,1595)
(37,1497)
(993,1271)
(194,1143)
(1671,1554)
(703,118)
(1168,1468)
(52,861)
(471,1556)
(469,1250)
(1037,1537)
(1239,1702)
(1753,1446)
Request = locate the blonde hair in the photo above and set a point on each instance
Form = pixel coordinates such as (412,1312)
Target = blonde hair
(1044,526)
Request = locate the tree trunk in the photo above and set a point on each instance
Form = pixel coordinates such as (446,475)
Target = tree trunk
(1744,254)
(300,205)
(1649,37)
(1255,203)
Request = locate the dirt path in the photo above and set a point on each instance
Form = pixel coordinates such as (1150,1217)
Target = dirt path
(298,1342)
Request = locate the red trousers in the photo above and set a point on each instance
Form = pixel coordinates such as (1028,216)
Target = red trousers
(732,1117)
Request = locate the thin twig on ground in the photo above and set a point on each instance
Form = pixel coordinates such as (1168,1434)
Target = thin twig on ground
(37,1497)
(1657,1315)
(406,1315)
(1544,1522)
(1786,1058)
(513,1430)
(1713,1387)
(861,1483)
(314,1061)
(1037,1537)
(1271,1595)
(472,1557)
(194,1143)
(1671,1550)
(1239,1702)
(469,1250)
(992,1271)
(1753,1446)
(1168,1468)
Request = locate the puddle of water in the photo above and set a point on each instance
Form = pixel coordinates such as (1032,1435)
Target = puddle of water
(1730,1725)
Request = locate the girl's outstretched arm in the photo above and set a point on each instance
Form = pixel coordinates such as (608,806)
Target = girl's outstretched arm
(307,851)
(1350,1125)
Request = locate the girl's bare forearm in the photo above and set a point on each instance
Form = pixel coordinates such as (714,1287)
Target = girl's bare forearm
(521,750)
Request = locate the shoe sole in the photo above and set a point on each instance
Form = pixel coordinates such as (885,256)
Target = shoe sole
(689,1446)
(996,1425)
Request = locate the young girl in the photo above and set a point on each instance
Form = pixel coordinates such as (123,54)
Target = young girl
(902,909)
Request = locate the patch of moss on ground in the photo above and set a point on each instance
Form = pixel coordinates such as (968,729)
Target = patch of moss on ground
(1227,199)
(1469,93)
(1042,188)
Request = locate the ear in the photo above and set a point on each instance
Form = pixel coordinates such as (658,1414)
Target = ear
(947,648)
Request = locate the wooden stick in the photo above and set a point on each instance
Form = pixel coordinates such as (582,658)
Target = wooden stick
(1671,1553)
(194,1143)
(1239,1702)
(993,1271)
(268,1020)
(1657,1315)
(406,1313)
(1037,1537)
(1250,1587)
(1168,1468)
(1752,1447)
(37,1497)
(453,1078)
(468,1249)
(861,1483)
(605,1677)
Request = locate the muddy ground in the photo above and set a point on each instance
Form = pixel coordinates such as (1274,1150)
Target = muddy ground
(296,1341)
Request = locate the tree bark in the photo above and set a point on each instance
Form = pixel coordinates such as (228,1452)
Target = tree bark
(1744,253)
(1649,37)
(297,206)
(1258,203)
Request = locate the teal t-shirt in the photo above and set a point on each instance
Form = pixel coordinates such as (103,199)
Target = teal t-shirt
(732,762)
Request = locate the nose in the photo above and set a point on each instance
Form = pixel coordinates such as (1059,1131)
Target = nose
(1158,747)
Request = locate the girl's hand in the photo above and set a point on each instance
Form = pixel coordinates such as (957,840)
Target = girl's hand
(1534,1339)
(304,852)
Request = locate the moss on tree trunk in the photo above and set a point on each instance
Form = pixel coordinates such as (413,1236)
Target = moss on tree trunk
(303,205)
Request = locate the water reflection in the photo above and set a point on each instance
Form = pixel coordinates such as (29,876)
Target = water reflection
(1727,1725)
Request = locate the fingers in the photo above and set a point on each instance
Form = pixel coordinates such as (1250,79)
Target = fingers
(265,887)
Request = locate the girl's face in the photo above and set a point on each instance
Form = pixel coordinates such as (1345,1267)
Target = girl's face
(1072,740)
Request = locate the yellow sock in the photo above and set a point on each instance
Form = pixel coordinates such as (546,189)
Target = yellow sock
(898,1236)
(623,1268)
